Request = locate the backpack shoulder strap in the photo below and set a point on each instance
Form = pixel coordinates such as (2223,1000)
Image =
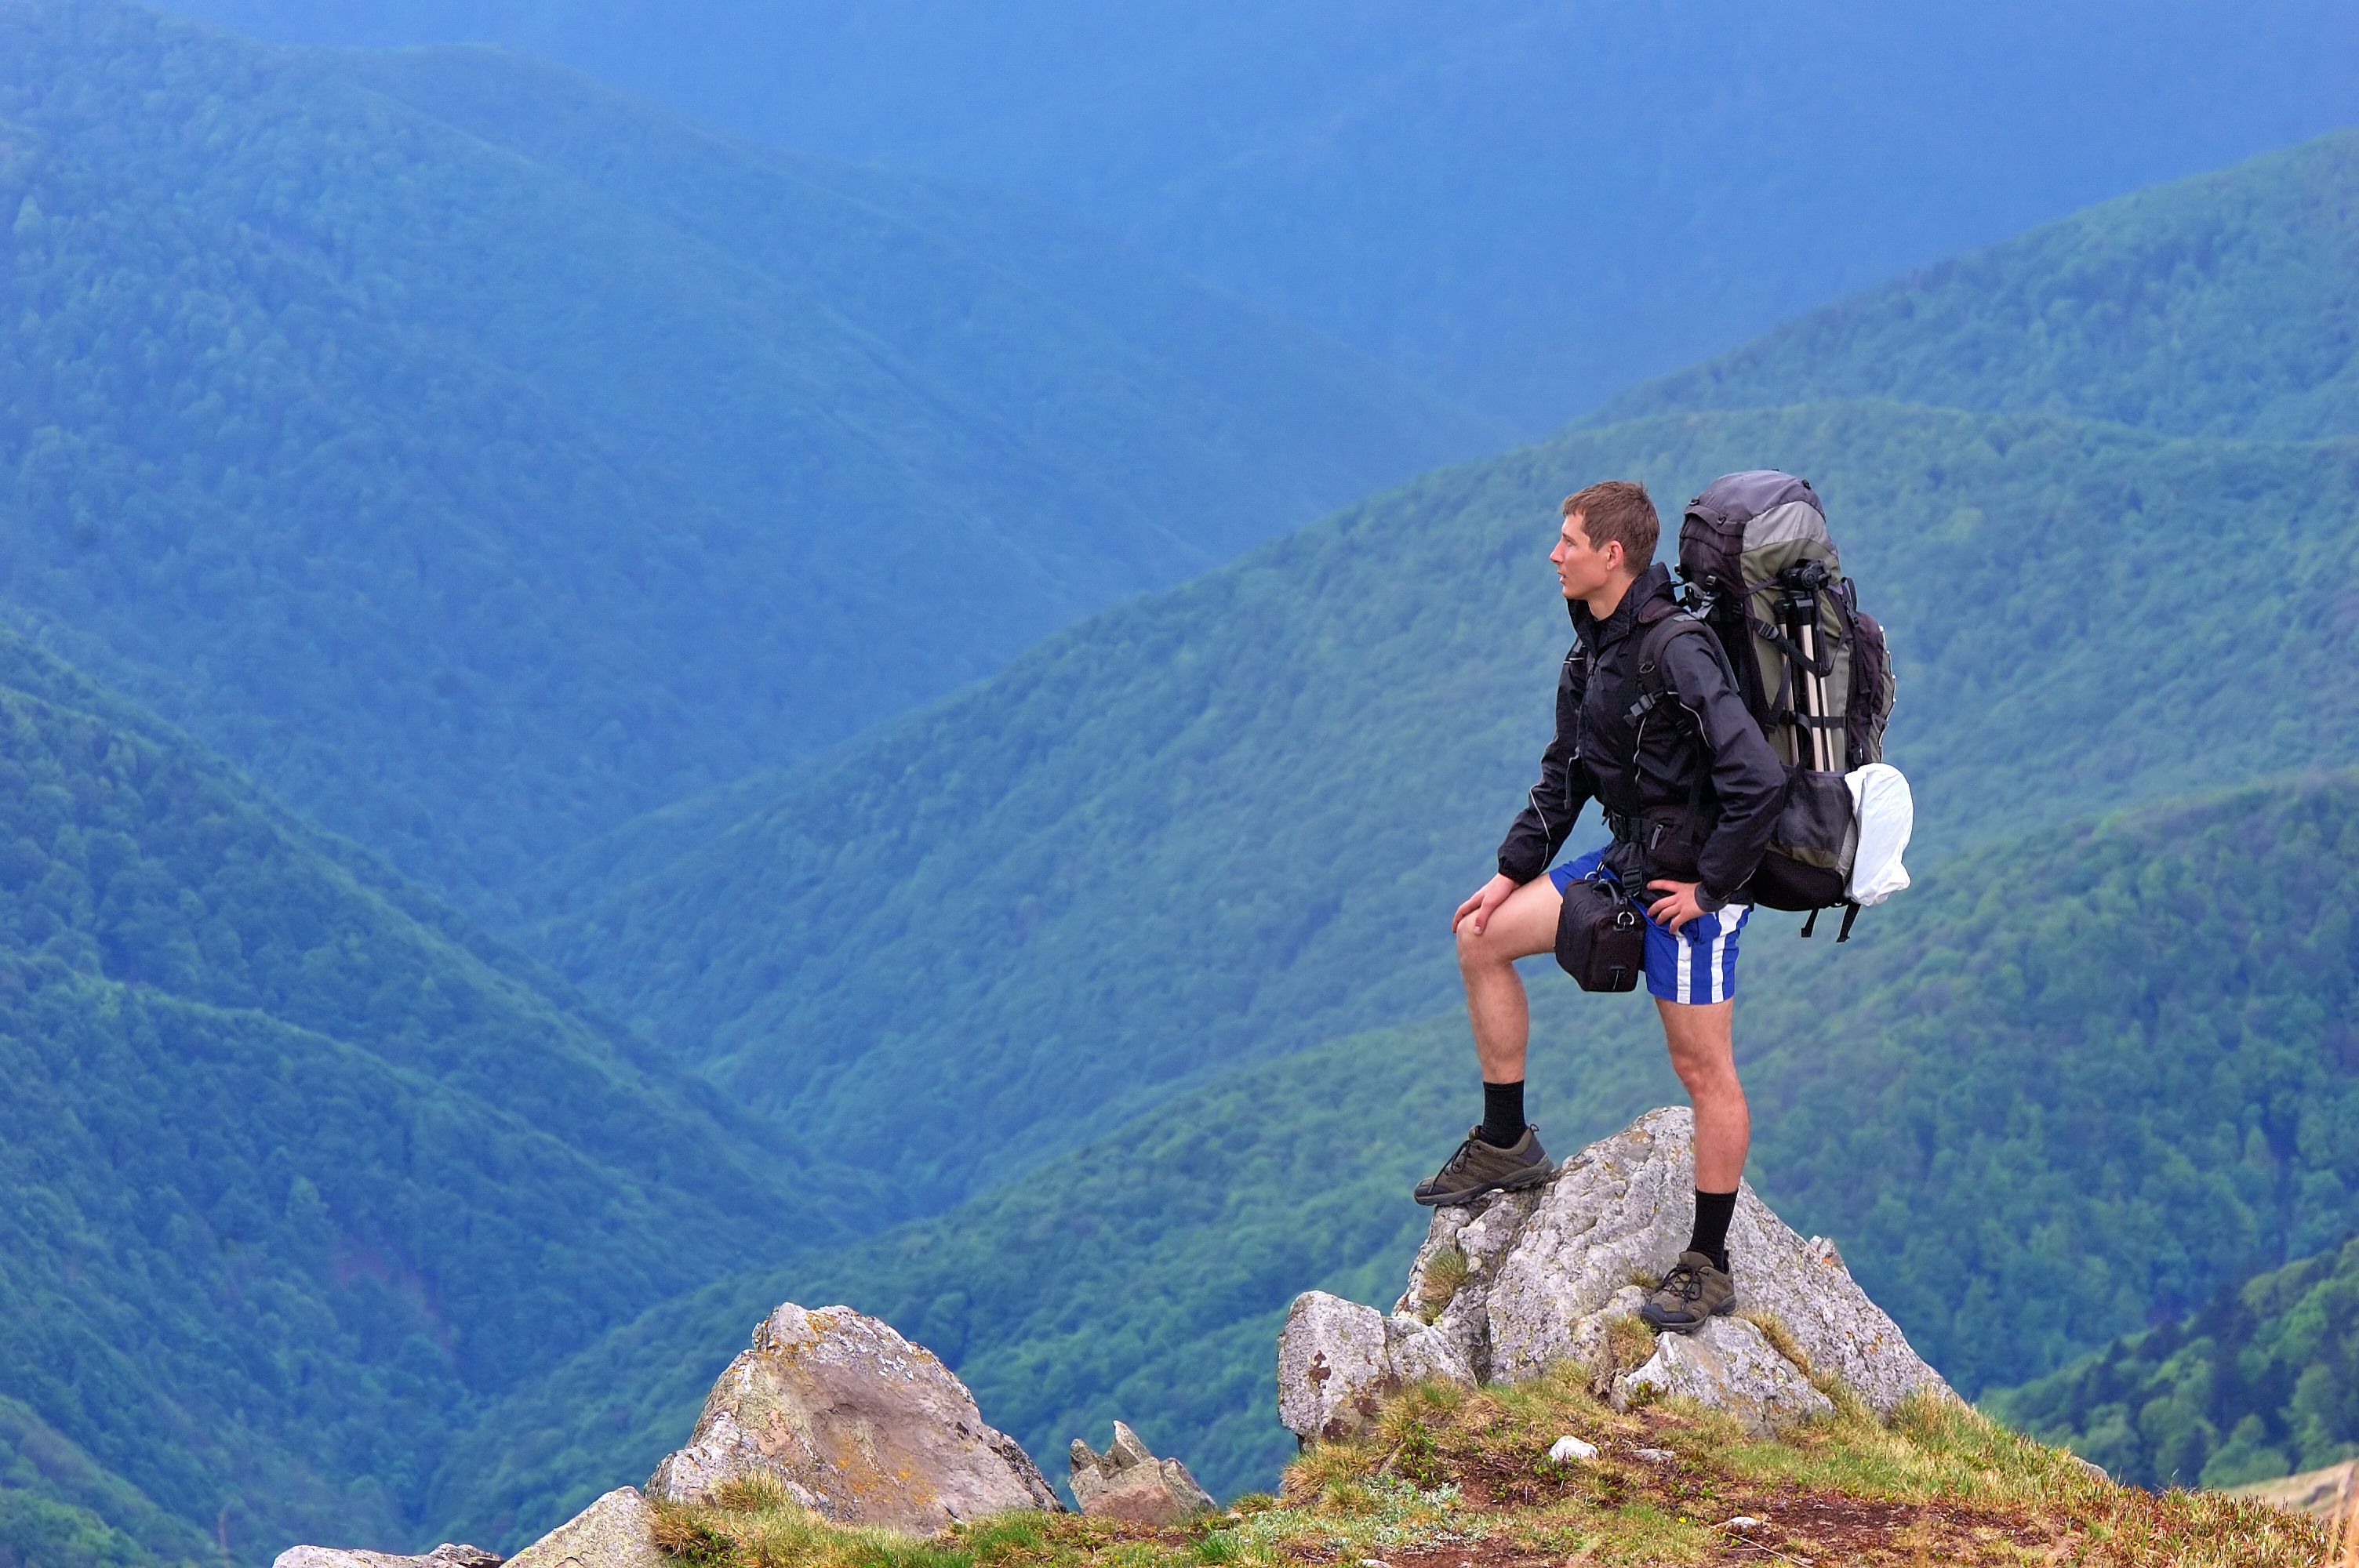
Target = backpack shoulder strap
(1650,682)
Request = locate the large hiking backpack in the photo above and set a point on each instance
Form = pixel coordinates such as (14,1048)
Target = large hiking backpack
(1762,573)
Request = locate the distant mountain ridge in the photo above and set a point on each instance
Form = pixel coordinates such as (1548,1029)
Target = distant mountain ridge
(484,459)
(1526,207)
(2220,305)
(1231,822)
(300,1170)
(1258,780)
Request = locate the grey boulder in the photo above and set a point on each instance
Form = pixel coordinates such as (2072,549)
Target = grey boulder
(1728,1365)
(615,1531)
(1511,1283)
(1128,1483)
(856,1424)
(1333,1365)
(448,1555)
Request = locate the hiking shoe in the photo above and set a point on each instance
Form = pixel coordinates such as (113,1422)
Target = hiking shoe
(1479,1167)
(1693,1291)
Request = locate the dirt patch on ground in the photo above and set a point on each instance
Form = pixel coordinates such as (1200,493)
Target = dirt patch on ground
(1791,1524)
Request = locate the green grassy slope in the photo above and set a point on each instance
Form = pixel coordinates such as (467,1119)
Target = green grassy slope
(1231,821)
(2221,305)
(483,457)
(2263,1381)
(298,1173)
(2061,1085)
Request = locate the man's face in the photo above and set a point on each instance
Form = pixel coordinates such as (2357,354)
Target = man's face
(1580,566)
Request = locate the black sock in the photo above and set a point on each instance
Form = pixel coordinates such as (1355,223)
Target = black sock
(1503,1112)
(1714,1211)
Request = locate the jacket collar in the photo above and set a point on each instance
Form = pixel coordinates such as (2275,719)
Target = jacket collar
(1653,583)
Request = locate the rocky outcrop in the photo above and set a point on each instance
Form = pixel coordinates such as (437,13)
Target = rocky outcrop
(615,1531)
(1128,1483)
(1504,1286)
(447,1555)
(856,1424)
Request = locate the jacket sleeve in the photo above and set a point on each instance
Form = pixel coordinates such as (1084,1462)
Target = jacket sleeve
(1747,779)
(1550,807)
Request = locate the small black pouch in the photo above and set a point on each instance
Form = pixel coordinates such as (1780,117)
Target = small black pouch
(1601,936)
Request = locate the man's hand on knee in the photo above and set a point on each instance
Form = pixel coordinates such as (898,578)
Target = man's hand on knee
(1484,903)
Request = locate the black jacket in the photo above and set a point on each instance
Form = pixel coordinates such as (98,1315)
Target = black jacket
(1705,734)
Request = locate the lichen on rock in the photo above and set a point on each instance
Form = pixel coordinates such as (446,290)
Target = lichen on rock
(856,1424)
(615,1531)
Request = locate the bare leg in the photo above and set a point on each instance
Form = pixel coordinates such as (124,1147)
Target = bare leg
(1703,1054)
(1523,925)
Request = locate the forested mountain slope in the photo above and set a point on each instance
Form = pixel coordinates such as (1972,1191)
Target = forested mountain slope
(1529,206)
(2061,1086)
(298,1170)
(483,457)
(1231,821)
(2263,1381)
(2224,304)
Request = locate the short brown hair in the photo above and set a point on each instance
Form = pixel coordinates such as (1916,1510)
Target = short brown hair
(1619,510)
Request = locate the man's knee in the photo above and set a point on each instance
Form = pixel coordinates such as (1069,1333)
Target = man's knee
(1479,951)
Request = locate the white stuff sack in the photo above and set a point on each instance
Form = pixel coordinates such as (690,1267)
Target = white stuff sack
(1881,805)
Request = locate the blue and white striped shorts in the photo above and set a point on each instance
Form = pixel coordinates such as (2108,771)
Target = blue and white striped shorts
(1695,964)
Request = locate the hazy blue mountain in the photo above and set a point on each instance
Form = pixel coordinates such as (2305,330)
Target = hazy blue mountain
(1231,821)
(485,458)
(300,1170)
(2221,305)
(1527,206)
(2069,1085)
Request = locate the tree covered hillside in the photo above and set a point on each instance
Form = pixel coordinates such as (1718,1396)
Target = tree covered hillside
(483,458)
(2225,305)
(2065,1083)
(1527,206)
(2263,1381)
(1232,821)
(298,1170)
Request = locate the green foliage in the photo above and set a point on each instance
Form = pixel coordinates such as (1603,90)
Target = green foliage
(484,459)
(2216,306)
(295,1177)
(2089,1078)
(2063,1081)
(2260,1382)
(60,1509)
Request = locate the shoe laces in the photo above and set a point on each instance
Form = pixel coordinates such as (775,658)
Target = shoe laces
(1686,1281)
(1458,1161)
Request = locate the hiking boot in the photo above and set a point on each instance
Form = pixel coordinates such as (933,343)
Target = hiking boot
(1479,1167)
(1693,1291)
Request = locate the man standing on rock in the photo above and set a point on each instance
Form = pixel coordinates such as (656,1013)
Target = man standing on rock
(1690,790)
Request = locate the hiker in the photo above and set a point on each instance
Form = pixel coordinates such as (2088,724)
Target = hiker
(1691,789)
